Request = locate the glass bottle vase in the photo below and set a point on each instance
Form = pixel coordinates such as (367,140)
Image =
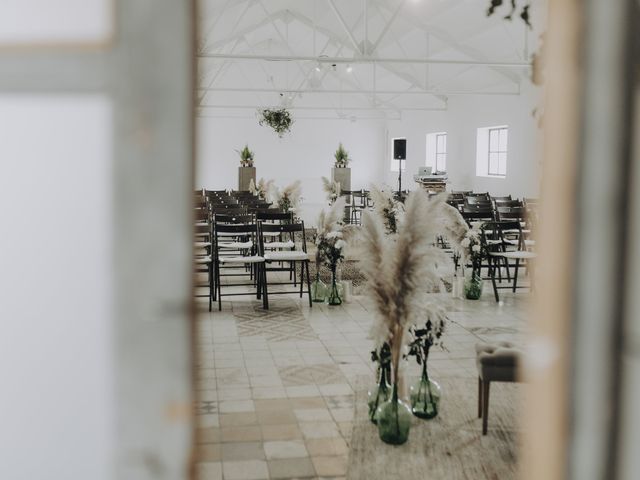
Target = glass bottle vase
(473,286)
(425,396)
(394,420)
(318,289)
(333,295)
(378,395)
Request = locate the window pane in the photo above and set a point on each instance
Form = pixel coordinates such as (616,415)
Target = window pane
(494,140)
(503,139)
(444,143)
(440,144)
(59,21)
(502,168)
(60,171)
(493,163)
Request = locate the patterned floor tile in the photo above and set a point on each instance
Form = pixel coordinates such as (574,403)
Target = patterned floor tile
(279,323)
(297,375)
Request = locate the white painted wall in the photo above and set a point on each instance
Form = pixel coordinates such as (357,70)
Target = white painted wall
(461,120)
(306,154)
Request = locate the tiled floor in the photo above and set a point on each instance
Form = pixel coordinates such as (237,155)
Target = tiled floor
(276,388)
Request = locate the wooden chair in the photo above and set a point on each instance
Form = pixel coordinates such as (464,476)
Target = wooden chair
(292,256)
(247,258)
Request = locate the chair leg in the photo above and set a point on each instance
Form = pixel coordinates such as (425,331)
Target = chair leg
(515,276)
(493,280)
(258,280)
(219,287)
(485,406)
(210,284)
(265,296)
(308,283)
(479,397)
(301,278)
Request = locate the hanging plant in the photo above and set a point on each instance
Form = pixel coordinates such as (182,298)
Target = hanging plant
(342,157)
(279,119)
(246,157)
(524,11)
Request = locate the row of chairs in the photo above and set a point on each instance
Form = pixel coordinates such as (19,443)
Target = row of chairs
(250,246)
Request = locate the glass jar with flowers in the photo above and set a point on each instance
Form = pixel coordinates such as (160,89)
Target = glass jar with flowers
(380,393)
(330,247)
(425,394)
(473,253)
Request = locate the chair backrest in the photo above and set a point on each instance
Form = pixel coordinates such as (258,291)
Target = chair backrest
(478,201)
(231,218)
(239,229)
(510,213)
(508,203)
(476,194)
(228,209)
(274,216)
(283,228)
(496,230)
(476,214)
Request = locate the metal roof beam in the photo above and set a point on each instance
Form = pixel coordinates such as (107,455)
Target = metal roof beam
(382,60)
(345,27)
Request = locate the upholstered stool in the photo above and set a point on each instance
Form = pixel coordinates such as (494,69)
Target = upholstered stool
(496,363)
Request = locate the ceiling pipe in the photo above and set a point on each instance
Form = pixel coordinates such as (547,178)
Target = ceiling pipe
(360,59)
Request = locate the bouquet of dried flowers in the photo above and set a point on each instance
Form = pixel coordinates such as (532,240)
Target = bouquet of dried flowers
(262,190)
(400,271)
(388,208)
(332,189)
(288,199)
(472,249)
(328,232)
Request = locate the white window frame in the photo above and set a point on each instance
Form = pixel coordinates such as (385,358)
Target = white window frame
(488,155)
(435,158)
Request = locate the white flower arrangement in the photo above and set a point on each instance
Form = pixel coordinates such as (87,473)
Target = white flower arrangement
(329,237)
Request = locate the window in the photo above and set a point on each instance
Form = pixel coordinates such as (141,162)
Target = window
(491,151)
(437,151)
(394,162)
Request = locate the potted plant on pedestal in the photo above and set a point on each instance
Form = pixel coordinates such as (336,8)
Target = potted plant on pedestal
(341,173)
(246,170)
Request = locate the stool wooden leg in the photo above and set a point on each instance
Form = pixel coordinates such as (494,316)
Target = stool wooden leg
(485,405)
(479,397)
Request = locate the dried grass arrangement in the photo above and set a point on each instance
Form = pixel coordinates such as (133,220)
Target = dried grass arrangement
(262,190)
(288,199)
(332,189)
(402,268)
(389,209)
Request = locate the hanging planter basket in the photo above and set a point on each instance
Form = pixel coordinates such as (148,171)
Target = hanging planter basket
(278,119)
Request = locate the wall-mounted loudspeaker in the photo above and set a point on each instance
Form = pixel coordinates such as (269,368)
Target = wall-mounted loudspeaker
(400,149)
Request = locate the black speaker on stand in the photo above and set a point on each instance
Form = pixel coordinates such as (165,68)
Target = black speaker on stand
(400,154)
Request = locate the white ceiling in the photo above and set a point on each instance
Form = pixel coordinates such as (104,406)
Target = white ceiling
(390,55)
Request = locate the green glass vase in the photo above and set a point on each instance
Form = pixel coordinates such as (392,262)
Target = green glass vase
(333,296)
(378,395)
(425,396)
(318,290)
(473,286)
(394,420)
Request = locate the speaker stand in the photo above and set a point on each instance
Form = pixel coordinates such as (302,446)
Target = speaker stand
(400,181)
